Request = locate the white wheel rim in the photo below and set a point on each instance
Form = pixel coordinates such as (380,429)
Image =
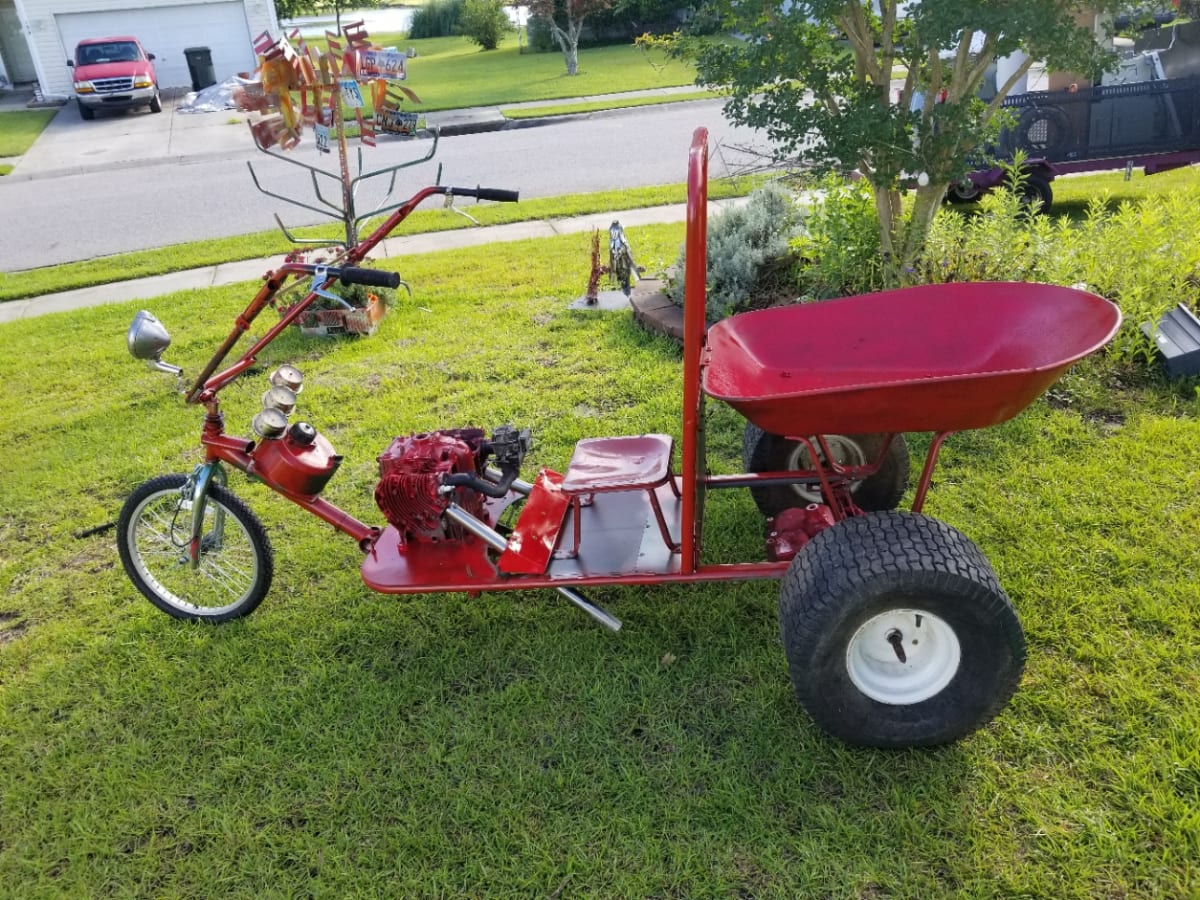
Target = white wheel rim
(845,452)
(903,656)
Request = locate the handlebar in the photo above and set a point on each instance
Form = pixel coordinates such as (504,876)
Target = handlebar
(482,193)
(368,277)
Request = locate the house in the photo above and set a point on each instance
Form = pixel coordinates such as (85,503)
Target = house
(37,37)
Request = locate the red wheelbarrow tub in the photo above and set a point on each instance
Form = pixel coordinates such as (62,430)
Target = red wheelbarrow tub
(941,357)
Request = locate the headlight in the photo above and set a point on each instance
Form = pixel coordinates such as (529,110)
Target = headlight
(142,83)
(84,87)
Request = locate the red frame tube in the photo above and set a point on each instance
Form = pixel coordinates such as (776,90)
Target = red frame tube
(695,278)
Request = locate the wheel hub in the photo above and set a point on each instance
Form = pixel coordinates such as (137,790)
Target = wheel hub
(844,452)
(903,656)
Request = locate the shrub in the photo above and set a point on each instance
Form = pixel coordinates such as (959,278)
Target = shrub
(838,252)
(747,244)
(484,22)
(540,31)
(439,18)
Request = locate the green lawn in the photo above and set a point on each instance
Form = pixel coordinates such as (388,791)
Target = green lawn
(20,128)
(341,743)
(452,73)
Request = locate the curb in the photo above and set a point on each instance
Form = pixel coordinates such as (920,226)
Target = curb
(654,311)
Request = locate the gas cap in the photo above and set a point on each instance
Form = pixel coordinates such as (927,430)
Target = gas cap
(302,433)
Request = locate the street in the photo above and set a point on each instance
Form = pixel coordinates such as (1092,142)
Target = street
(55,220)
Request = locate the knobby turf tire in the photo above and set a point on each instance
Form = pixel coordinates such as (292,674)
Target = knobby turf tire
(766,452)
(863,571)
(151,521)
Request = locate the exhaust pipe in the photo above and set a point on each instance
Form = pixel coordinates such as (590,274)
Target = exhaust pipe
(496,541)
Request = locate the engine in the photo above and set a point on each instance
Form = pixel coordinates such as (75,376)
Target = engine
(422,474)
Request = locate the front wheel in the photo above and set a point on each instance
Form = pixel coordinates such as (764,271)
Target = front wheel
(235,566)
(156,103)
(898,633)
(964,191)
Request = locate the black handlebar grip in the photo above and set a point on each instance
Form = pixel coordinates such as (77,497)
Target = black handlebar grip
(497,194)
(369,277)
(482,193)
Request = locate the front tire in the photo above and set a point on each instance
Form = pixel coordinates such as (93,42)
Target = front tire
(156,103)
(898,633)
(236,564)
(766,452)
(964,191)
(86,113)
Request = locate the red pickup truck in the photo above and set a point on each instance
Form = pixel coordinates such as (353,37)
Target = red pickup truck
(114,73)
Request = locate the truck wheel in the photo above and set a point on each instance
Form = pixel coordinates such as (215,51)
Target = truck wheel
(236,565)
(86,113)
(156,103)
(766,452)
(1036,189)
(964,191)
(897,632)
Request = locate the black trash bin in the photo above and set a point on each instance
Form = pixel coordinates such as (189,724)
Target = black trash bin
(200,67)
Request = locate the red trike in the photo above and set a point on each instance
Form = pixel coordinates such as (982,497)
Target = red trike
(896,629)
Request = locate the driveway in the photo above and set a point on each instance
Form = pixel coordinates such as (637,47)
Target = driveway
(121,139)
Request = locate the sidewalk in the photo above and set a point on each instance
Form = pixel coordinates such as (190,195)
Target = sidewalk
(254,269)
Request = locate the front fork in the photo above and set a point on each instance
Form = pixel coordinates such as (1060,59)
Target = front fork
(195,491)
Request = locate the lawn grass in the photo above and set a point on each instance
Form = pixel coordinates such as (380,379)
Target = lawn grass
(453,73)
(342,743)
(1073,194)
(20,128)
(180,257)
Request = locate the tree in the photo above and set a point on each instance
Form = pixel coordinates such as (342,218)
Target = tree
(817,76)
(566,22)
(484,22)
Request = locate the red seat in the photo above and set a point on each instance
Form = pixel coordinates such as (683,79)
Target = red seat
(619,464)
(634,463)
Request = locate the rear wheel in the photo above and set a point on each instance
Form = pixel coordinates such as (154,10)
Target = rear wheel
(898,633)
(235,567)
(766,452)
(1036,189)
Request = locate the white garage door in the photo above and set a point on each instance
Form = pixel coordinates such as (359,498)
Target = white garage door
(167,31)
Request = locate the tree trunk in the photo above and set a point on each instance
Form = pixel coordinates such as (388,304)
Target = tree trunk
(891,233)
(568,42)
(926,203)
